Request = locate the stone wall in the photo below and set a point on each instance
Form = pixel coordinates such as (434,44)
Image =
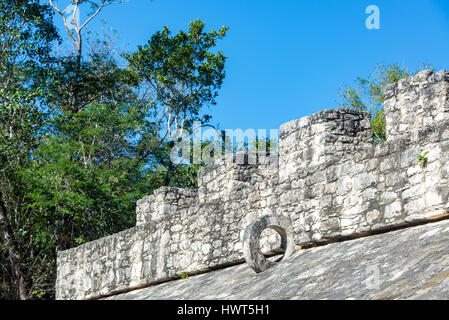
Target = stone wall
(418,101)
(177,231)
(330,182)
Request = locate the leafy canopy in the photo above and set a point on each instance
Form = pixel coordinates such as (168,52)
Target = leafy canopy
(83,137)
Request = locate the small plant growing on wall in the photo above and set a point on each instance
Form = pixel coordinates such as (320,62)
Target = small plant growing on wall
(422,159)
(184,276)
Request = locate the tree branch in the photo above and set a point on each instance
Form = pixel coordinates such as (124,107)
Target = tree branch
(14,251)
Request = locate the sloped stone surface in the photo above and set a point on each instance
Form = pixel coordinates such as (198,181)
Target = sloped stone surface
(411,263)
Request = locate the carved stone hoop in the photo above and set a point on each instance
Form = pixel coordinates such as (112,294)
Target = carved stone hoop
(251,247)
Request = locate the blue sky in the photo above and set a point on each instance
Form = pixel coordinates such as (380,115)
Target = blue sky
(288,58)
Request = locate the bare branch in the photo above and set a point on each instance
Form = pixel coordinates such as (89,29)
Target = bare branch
(62,13)
(93,16)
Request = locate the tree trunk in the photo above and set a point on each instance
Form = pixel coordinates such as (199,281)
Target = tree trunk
(169,166)
(14,253)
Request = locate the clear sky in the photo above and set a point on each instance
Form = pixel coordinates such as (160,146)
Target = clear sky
(288,58)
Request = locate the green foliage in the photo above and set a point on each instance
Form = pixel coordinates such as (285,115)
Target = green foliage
(184,276)
(422,159)
(367,94)
(180,71)
(26,36)
(256,145)
(81,140)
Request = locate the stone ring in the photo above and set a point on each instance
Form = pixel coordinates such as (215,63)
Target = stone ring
(251,247)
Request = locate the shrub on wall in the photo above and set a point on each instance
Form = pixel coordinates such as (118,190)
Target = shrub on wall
(367,94)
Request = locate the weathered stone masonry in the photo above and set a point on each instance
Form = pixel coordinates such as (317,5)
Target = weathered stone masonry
(330,182)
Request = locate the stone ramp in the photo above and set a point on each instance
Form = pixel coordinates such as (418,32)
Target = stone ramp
(412,263)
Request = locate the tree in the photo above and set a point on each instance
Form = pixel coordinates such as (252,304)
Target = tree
(367,94)
(71,67)
(73,25)
(176,76)
(82,136)
(96,160)
(26,36)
